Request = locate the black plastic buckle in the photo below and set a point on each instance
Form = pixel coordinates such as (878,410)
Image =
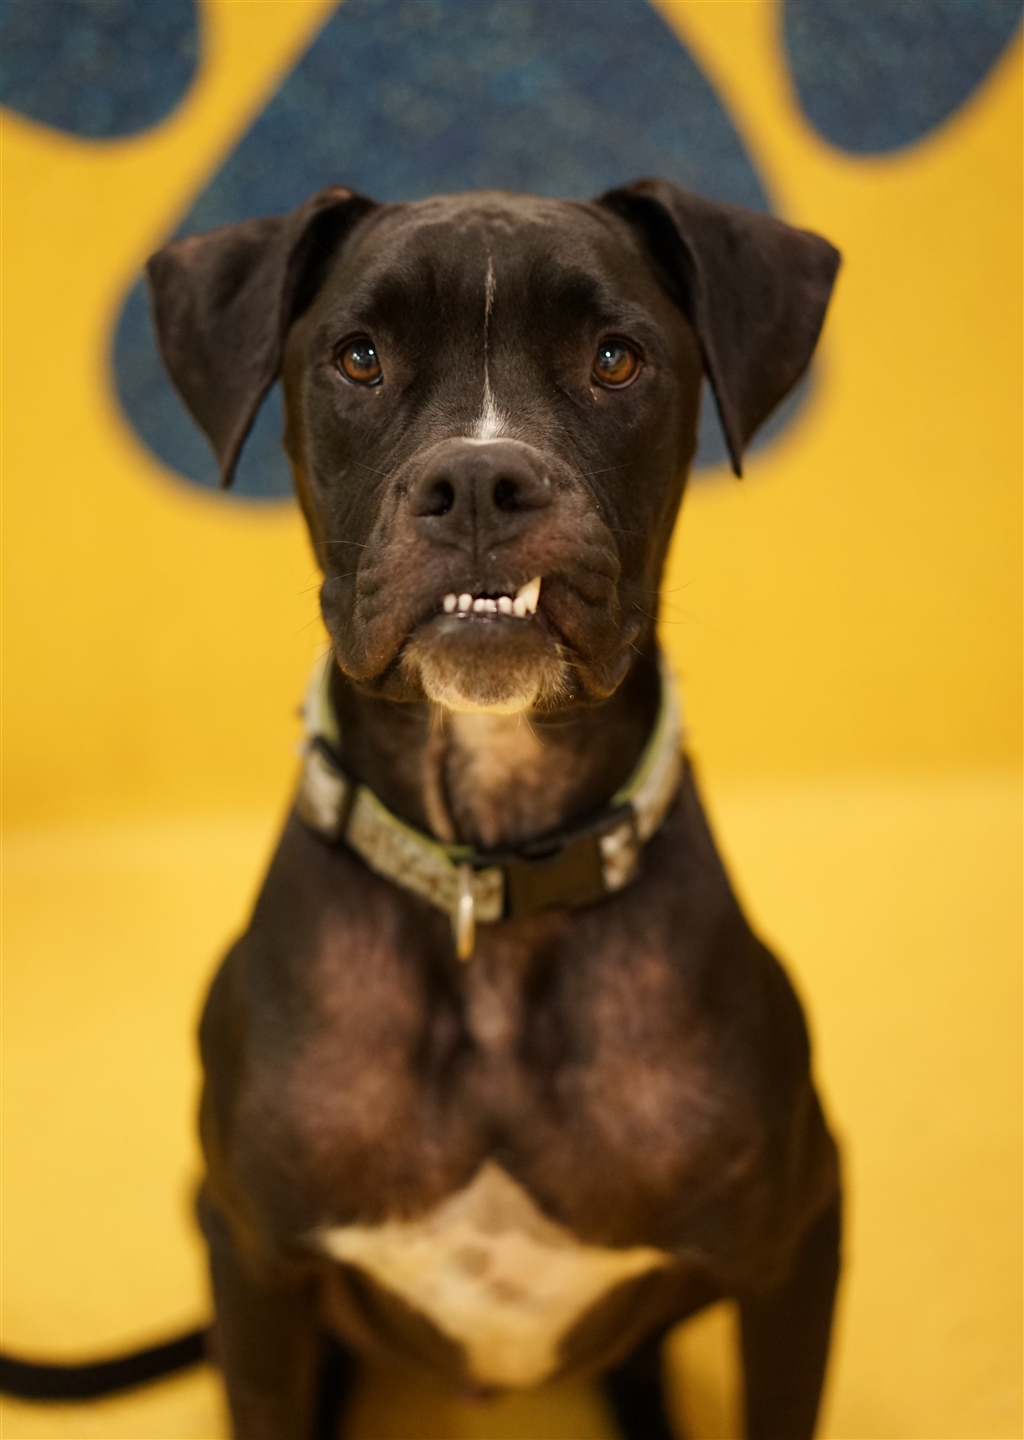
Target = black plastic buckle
(559,871)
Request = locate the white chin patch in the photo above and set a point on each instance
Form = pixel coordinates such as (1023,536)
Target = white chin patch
(507,694)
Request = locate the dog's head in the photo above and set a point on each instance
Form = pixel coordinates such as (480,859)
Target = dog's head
(491,405)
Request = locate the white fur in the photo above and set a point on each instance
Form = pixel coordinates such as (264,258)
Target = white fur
(493,1273)
(520,689)
(493,424)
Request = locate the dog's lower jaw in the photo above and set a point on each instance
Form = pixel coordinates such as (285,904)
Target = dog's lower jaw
(508,685)
(513,694)
(449,695)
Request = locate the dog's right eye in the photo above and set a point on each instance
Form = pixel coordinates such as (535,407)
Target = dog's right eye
(616,364)
(357,359)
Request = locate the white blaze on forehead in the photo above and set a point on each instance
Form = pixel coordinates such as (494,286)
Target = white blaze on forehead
(493,1273)
(488,291)
(492,423)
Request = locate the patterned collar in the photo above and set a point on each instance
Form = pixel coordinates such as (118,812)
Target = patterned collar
(566,868)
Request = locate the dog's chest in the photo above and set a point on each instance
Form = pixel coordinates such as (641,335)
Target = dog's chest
(492,1273)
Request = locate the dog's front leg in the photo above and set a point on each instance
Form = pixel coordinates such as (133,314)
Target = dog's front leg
(635,1393)
(785,1336)
(267,1342)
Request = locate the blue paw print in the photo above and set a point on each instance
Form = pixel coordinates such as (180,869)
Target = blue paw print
(102,69)
(875,75)
(404,98)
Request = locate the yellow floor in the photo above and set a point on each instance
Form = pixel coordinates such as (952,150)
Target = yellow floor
(897,904)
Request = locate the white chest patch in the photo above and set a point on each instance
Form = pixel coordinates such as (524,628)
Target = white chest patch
(493,1273)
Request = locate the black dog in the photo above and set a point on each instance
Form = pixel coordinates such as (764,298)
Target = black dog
(499,1079)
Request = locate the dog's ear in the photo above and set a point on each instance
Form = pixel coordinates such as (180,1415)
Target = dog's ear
(754,289)
(223,302)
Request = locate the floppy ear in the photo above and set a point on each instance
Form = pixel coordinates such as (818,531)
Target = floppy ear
(222,304)
(754,289)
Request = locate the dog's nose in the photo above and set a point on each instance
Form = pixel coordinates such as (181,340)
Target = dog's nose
(479,493)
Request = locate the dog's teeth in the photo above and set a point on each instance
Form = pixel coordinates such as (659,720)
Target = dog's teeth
(505,604)
(450,602)
(491,606)
(479,606)
(465,603)
(527,597)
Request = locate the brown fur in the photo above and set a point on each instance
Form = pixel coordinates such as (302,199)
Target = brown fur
(638,1067)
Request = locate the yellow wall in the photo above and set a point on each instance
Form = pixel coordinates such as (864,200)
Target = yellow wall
(155,635)
(853,603)
(846,625)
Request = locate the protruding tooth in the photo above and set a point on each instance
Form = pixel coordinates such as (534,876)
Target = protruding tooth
(491,606)
(479,606)
(528,595)
(505,604)
(450,602)
(465,603)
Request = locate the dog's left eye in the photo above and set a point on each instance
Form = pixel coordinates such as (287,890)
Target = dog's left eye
(615,364)
(358,360)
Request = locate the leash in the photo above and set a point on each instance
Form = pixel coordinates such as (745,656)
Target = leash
(566,868)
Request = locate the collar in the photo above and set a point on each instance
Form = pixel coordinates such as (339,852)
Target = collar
(566,868)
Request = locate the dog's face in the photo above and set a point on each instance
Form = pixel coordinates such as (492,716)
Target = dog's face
(486,393)
(491,404)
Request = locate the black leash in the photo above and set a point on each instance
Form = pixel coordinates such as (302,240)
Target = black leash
(31,1380)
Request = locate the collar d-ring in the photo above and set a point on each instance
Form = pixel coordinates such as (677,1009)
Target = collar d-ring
(464,919)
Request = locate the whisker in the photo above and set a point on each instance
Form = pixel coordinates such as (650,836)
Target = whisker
(373,470)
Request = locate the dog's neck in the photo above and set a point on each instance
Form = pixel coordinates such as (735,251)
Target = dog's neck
(496,780)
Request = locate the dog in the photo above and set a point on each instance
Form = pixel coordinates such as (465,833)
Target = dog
(499,1080)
